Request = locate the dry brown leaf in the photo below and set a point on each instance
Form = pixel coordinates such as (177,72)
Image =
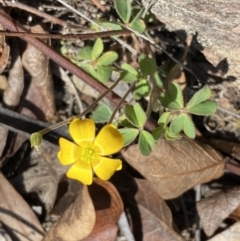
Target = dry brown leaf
(176,166)
(42,179)
(229,147)
(17,215)
(13,92)
(231,234)
(150,217)
(41,92)
(4,57)
(108,205)
(215,208)
(77,221)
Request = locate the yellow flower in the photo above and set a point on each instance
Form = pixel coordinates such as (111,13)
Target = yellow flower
(88,154)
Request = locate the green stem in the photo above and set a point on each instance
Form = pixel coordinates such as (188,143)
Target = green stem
(121,102)
(62,123)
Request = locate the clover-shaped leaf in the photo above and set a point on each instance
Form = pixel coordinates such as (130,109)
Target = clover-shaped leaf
(146,143)
(129,135)
(124,9)
(173,98)
(135,115)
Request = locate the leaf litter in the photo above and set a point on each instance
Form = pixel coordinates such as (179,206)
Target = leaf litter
(169,173)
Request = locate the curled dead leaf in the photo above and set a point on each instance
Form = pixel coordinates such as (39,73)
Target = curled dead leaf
(41,91)
(108,205)
(77,221)
(173,167)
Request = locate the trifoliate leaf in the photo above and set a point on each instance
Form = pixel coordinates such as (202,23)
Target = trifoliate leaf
(200,96)
(97,48)
(146,143)
(107,58)
(129,135)
(123,8)
(173,98)
(205,108)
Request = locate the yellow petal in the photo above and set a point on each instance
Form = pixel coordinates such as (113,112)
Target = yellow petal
(81,171)
(82,131)
(105,167)
(108,141)
(69,152)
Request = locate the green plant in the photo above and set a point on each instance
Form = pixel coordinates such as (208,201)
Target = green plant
(95,62)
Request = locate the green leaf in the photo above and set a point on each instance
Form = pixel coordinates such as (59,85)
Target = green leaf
(138,26)
(97,48)
(200,96)
(205,108)
(107,58)
(129,135)
(85,53)
(189,128)
(173,98)
(170,136)
(142,88)
(129,74)
(147,66)
(146,143)
(104,73)
(135,115)
(123,8)
(158,79)
(164,119)
(183,122)
(129,68)
(101,114)
(157,133)
(177,124)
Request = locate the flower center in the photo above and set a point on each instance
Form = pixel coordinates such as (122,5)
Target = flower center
(87,155)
